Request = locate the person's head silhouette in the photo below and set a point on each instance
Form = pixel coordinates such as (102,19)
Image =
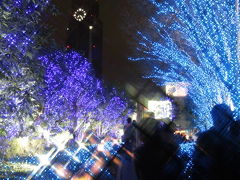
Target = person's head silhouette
(129,120)
(221,115)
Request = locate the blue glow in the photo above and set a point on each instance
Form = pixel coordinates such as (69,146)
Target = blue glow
(197,43)
(74,95)
(187,148)
(186,151)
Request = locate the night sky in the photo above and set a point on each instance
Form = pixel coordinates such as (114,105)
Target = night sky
(116,44)
(120,21)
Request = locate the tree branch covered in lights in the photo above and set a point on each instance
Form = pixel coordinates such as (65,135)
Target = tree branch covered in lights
(195,42)
(20,72)
(76,98)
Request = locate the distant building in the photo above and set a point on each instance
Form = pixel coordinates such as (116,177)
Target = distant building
(84,30)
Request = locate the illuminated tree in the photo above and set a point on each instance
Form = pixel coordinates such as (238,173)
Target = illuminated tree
(195,42)
(76,98)
(20,71)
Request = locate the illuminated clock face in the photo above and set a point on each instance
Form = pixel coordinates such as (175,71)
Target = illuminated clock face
(79,14)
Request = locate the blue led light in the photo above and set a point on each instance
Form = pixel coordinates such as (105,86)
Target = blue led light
(73,94)
(198,42)
(68,92)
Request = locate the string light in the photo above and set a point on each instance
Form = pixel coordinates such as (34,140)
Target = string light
(196,43)
(82,156)
(20,86)
(69,78)
(187,150)
(74,95)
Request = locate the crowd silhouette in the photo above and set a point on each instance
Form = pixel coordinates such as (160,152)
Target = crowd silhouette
(216,155)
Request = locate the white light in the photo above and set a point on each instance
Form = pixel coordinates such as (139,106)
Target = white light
(179,89)
(115,141)
(90,27)
(61,139)
(100,147)
(80,14)
(161,109)
(23,141)
(46,134)
(61,146)
(121,132)
(81,145)
(44,160)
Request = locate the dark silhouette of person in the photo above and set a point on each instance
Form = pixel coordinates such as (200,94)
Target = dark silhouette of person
(235,132)
(214,150)
(232,157)
(129,137)
(156,158)
(126,170)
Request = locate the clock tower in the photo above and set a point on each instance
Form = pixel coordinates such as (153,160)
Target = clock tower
(85,32)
